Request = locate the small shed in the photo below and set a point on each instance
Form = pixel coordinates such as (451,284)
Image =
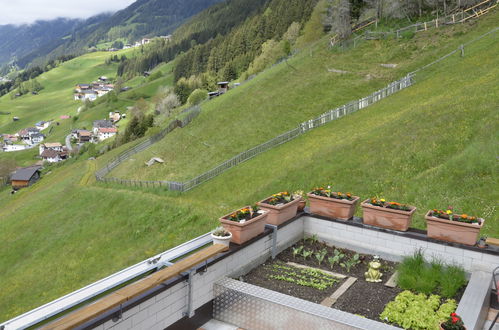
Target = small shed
(223,86)
(25,177)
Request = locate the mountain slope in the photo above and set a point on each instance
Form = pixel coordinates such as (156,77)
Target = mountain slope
(430,145)
(19,41)
(141,19)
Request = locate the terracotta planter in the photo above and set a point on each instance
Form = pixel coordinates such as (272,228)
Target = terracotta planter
(331,207)
(452,231)
(278,214)
(301,205)
(224,240)
(385,217)
(243,232)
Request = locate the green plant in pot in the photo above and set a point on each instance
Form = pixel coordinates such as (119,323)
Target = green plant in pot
(453,322)
(221,236)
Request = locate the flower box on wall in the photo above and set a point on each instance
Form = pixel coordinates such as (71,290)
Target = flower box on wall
(391,215)
(280,207)
(455,231)
(332,204)
(244,224)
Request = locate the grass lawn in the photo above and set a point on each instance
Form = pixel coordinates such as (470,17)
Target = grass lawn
(431,145)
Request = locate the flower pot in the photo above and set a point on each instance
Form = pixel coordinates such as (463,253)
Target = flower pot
(331,207)
(385,217)
(278,214)
(224,240)
(442,328)
(452,231)
(301,205)
(244,231)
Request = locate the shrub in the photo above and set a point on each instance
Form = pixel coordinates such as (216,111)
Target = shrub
(417,311)
(197,96)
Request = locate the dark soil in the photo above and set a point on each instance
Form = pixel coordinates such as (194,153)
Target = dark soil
(364,298)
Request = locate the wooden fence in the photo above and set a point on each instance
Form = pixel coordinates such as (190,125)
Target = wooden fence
(250,153)
(459,17)
(100,174)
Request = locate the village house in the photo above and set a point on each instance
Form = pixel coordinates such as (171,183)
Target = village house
(30,135)
(53,156)
(82,87)
(56,146)
(8,147)
(9,138)
(104,133)
(25,177)
(92,91)
(90,95)
(41,125)
(104,129)
(82,135)
(115,116)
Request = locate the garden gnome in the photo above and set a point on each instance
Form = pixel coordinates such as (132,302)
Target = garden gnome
(373,274)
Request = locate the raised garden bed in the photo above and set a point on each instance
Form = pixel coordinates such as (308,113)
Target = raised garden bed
(286,274)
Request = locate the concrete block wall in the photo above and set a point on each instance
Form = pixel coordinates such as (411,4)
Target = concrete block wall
(155,313)
(169,306)
(394,247)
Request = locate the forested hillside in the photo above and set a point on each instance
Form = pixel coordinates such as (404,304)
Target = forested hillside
(222,42)
(19,41)
(141,19)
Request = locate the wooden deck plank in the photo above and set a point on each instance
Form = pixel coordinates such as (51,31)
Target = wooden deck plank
(124,294)
(492,241)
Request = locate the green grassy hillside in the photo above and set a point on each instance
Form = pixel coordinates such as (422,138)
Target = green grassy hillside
(56,99)
(285,96)
(431,145)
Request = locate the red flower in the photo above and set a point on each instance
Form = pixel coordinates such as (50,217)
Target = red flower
(453,314)
(454,319)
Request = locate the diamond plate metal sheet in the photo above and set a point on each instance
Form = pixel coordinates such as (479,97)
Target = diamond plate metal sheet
(252,307)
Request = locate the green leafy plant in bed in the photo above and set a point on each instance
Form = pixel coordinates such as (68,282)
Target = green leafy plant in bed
(312,278)
(416,274)
(418,311)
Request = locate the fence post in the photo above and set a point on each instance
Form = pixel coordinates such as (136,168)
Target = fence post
(462,50)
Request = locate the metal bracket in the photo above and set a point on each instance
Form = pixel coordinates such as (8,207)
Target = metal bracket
(118,317)
(204,269)
(190,308)
(274,239)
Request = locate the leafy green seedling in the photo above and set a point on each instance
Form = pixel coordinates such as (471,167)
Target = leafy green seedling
(336,258)
(306,253)
(320,256)
(353,261)
(296,251)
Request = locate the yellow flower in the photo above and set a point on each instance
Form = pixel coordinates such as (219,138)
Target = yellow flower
(448,212)
(382,200)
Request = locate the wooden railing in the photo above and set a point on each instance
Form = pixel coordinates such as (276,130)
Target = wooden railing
(126,293)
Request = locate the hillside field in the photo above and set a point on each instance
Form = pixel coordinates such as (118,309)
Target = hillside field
(431,145)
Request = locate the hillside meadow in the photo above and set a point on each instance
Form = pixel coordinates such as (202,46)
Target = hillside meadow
(431,145)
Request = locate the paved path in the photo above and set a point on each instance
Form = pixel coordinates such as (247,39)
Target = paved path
(68,142)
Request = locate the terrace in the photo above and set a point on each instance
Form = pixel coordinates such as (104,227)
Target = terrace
(197,284)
